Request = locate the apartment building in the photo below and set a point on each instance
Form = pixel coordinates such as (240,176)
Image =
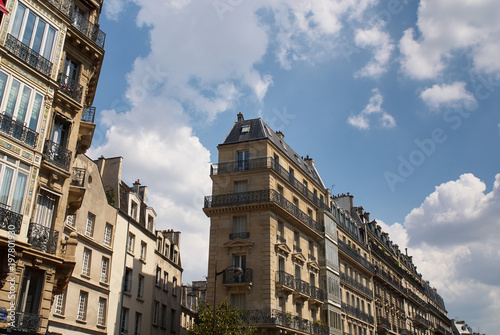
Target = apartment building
(51,54)
(264,210)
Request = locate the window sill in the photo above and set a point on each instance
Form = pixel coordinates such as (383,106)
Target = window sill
(85,276)
(127,293)
(81,321)
(140,299)
(60,316)
(101,326)
(143,260)
(103,283)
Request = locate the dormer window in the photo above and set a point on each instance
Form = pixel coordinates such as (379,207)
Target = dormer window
(133,210)
(150,222)
(245,129)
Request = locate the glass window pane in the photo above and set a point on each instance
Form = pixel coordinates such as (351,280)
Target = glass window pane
(35,111)
(3,83)
(18,20)
(49,42)
(28,29)
(37,41)
(23,105)
(6,182)
(11,103)
(17,198)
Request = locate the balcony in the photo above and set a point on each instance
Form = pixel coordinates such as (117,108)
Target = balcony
(388,280)
(70,87)
(356,285)
(246,198)
(90,30)
(229,278)
(420,322)
(28,55)
(243,235)
(86,130)
(53,153)
(42,238)
(266,163)
(76,189)
(285,281)
(280,239)
(301,289)
(357,313)
(18,130)
(27,322)
(9,220)
(89,114)
(383,323)
(316,295)
(276,318)
(354,255)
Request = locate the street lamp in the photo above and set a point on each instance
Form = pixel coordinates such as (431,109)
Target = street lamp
(237,272)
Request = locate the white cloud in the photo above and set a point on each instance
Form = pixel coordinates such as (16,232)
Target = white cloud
(453,238)
(447,95)
(380,42)
(470,27)
(374,107)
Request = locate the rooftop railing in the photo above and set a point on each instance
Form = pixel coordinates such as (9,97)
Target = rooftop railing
(28,55)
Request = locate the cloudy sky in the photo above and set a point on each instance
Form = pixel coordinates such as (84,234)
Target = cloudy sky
(397,102)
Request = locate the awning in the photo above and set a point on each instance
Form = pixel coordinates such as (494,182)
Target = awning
(2,8)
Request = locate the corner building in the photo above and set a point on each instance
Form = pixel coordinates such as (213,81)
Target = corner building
(265,212)
(51,54)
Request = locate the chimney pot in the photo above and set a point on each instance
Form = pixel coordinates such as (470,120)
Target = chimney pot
(240,117)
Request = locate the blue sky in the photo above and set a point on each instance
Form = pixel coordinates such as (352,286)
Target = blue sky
(396,101)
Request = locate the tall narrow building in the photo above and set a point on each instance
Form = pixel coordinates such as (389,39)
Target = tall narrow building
(51,54)
(264,210)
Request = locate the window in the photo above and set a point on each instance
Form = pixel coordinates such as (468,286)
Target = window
(239,301)
(124,321)
(131,243)
(143,250)
(163,320)
(165,280)
(239,227)
(13,178)
(70,220)
(158,276)
(59,304)
(150,223)
(104,269)
(127,282)
(33,31)
(101,312)
(296,242)
(133,210)
(137,323)
(87,257)
(70,72)
(89,228)
(140,287)
(240,186)
(82,306)
(108,233)
(31,291)
(174,286)
(172,317)
(242,157)
(156,311)
(159,245)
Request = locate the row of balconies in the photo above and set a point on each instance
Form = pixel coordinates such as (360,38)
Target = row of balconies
(354,255)
(267,163)
(288,282)
(273,318)
(357,313)
(355,284)
(245,198)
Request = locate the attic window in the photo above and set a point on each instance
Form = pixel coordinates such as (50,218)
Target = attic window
(245,129)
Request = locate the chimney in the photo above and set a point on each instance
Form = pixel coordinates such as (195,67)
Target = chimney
(240,117)
(136,186)
(280,134)
(309,161)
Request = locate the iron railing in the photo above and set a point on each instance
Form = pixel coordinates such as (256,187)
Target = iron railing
(10,220)
(229,277)
(356,312)
(312,258)
(82,24)
(285,279)
(384,323)
(316,293)
(267,163)
(420,321)
(243,235)
(297,248)
(279,318)
(301,286)
(18,130)
(70,87)
(357,285)
(57,155)
(28,55)
(243,198)
(89,114)
(78,177)
(280,239)
(389,280)
(27,322)
(42,238)
(348,250)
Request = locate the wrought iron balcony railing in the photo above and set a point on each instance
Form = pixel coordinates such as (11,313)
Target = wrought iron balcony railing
(70,87)
(27,322)
(420,321)
(10,220)
(243,235)
(353,254)
(28,55)
(297,248)
(88,114)
(285,279)
(312,258)
(280,239)
(301,286)
(266,163)
(18,130)
(275,317)
(356,312)
(78,177)
(357,285)
(230,278)
(57,155)
(42,238)
(243,198)
(384,322)
(316,293)
(67,7)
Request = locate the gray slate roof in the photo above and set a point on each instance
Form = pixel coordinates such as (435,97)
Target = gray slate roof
(259,130)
